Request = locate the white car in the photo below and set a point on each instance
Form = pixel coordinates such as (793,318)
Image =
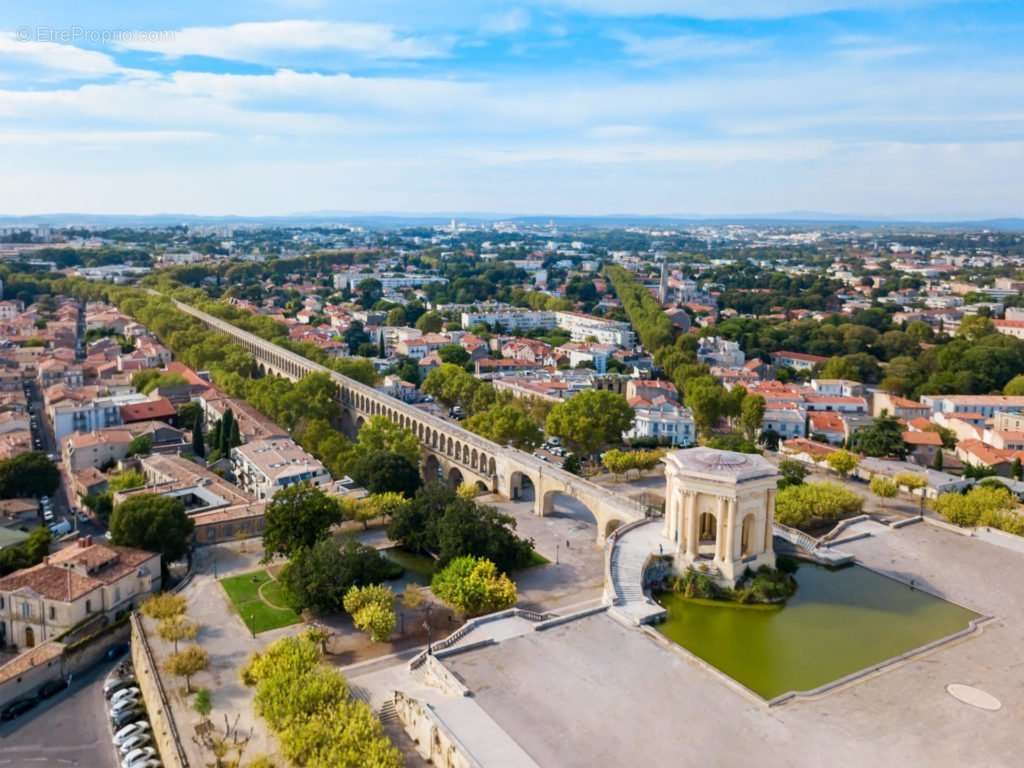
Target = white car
(136,756)
(125,693)
(124,705)
(130,730)
(138,741)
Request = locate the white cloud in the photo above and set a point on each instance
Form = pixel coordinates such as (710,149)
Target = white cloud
(507,23)
(654,51)
(40,60)
(264,41)
(100,138)
(733,9)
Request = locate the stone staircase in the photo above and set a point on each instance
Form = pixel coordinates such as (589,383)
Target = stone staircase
(387,713)
(629,555)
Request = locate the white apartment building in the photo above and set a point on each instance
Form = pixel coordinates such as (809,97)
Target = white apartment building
(266,466)
(984,405)
(389,281)
(69,416)
(717,351)
(787,422)
(581,327)
(662,420)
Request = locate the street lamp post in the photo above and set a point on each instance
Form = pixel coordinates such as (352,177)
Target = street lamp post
(252,625)
(556,553)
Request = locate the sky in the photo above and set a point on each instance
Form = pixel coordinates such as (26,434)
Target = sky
(887,108)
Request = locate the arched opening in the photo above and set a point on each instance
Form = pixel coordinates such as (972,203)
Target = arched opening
(558,504)
(359,423)
(482,487)
(748,545)
(473,460)
(458,451)
(30,637)
(431,469)
(347,424)
(610,526)
(521,487)
(261,371)
(491,469)
(707,535)
(454,477)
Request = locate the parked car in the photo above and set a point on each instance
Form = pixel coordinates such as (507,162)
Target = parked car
(52,688)
(17,708)
(115,684)
(125,693)
(117,650)
(130,716)
(137,756)
(121,736)
(61,528)
(137,741)
(124,705)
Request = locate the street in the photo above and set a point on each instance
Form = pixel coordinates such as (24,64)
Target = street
(71,729)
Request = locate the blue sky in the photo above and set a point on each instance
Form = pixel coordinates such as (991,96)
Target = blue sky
(902,108)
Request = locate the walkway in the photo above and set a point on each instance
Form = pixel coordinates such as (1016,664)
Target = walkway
(630,551)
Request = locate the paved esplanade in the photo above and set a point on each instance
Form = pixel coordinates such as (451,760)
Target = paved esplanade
(457,453)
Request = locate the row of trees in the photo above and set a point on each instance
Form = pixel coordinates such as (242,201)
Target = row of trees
(28,474)
(318,722)
(619,462)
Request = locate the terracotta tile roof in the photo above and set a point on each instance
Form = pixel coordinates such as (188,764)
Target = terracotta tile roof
(923,438)
(158,409)
(52,582)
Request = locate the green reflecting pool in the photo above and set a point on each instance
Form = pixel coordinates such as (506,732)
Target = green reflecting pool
(838,622)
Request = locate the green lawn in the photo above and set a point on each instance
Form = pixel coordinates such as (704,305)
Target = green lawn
(257,613)
(536,558)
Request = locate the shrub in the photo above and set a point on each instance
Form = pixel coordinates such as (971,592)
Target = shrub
(982,505)
(797,505)
(473,586)
(372,610)
(163,606)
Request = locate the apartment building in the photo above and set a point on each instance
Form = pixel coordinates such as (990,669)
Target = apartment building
(89,414)
(581,327)
(264,467)
(661,419)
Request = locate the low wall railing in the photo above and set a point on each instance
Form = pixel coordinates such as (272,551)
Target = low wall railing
(417,661)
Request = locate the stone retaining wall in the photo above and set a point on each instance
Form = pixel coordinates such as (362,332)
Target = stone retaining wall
(165,730)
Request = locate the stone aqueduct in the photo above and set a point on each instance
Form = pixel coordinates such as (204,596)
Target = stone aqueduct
(449,451)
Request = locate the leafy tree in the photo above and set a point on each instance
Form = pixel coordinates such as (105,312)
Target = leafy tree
(372,609)
(385,472)
(506,424)
(591,419)
(909,480)
(883,488)
(732,441)
(705,398)
(937,461)
(1015,386)
(1015,469)
(798,505)
(28,474)
(381,434)
(793,473)
(175,628)
(30,552)
(473,586)
(298,516)
(974,327)
(154,523)
(163,606)
(430,322)
(572,464)
(186,663)
(883,438)
(752,415)
(370,291)
(202,705)
(126,480)
(982,505)
(318,577)
(454,354)
(438,521)
(141,445)
(190,414)
(198,444)
(396,317)
(452,385)
(842,461)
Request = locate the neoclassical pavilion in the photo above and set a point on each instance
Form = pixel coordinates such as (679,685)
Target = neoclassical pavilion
(719,508)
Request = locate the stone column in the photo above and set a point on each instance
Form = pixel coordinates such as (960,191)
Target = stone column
(769,517)
(670,508)
(692,538)
(721,534)
(735,530)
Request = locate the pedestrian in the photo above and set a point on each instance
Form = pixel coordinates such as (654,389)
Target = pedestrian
(661,549)
(567,546)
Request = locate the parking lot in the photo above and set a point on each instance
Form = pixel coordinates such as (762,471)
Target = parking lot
(71,729)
